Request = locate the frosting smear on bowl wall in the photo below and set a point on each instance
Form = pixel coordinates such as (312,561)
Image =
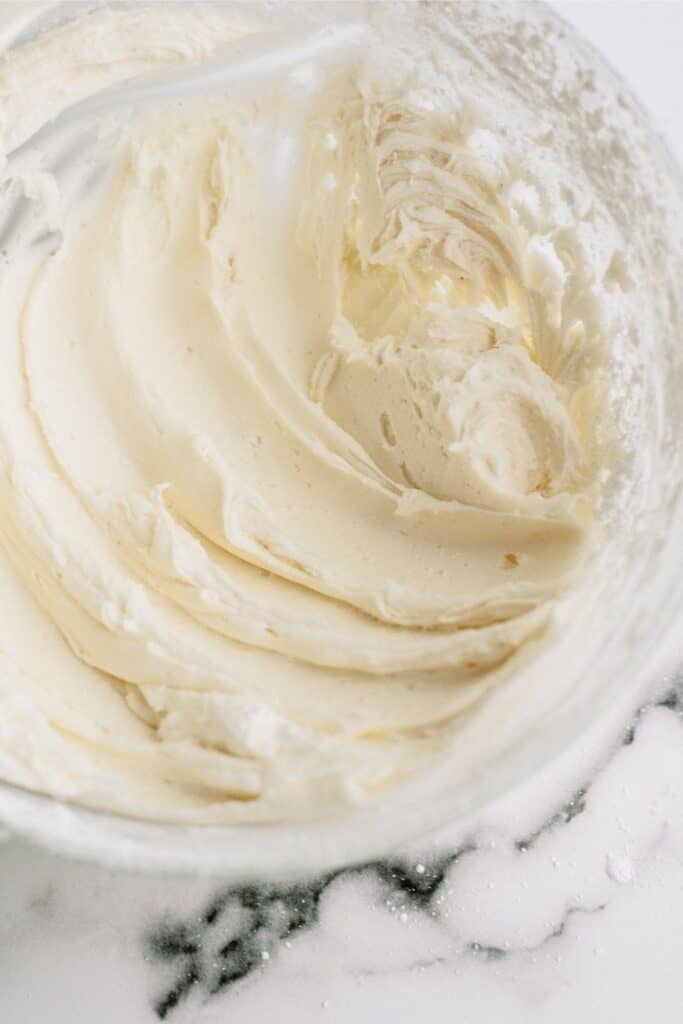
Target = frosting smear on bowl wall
(301,421)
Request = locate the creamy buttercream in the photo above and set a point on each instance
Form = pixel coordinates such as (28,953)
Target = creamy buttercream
(298,437)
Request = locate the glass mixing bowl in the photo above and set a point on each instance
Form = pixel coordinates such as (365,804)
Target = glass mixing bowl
(608,630)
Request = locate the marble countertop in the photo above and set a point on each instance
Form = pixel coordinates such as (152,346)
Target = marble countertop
(564,900)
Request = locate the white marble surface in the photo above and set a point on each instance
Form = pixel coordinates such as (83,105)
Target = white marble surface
(564,901)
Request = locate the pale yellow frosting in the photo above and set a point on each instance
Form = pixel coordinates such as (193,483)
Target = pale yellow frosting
(296,427)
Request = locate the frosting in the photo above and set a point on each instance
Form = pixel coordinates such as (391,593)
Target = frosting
(298,439)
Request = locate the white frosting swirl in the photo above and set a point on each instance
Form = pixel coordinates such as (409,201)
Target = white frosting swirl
(296,426)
